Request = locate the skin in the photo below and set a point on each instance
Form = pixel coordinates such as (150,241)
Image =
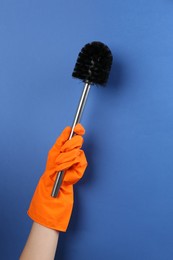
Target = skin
(41,243)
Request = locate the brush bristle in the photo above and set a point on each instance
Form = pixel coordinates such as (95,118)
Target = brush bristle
(93,63)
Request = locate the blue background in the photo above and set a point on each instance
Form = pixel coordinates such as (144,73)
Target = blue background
(124,204)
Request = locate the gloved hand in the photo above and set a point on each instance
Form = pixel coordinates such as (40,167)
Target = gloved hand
(65,155)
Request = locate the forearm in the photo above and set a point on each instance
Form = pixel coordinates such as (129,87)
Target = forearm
(41,244)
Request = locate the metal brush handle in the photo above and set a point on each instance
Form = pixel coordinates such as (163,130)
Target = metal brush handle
(82,102)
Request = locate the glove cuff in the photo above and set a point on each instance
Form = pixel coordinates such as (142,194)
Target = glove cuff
(51,212)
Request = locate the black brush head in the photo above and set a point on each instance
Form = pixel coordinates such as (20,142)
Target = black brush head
(93,63)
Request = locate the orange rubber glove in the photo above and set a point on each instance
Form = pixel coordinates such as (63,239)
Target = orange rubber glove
(65,155)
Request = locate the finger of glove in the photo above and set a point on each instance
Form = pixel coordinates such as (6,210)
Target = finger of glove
(76,160)
(55,150)
(75,142)
(76,171)
(63,137)
(57,157)
(67,157)
(79,129)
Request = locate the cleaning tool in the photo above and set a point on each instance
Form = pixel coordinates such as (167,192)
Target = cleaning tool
(92,67)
